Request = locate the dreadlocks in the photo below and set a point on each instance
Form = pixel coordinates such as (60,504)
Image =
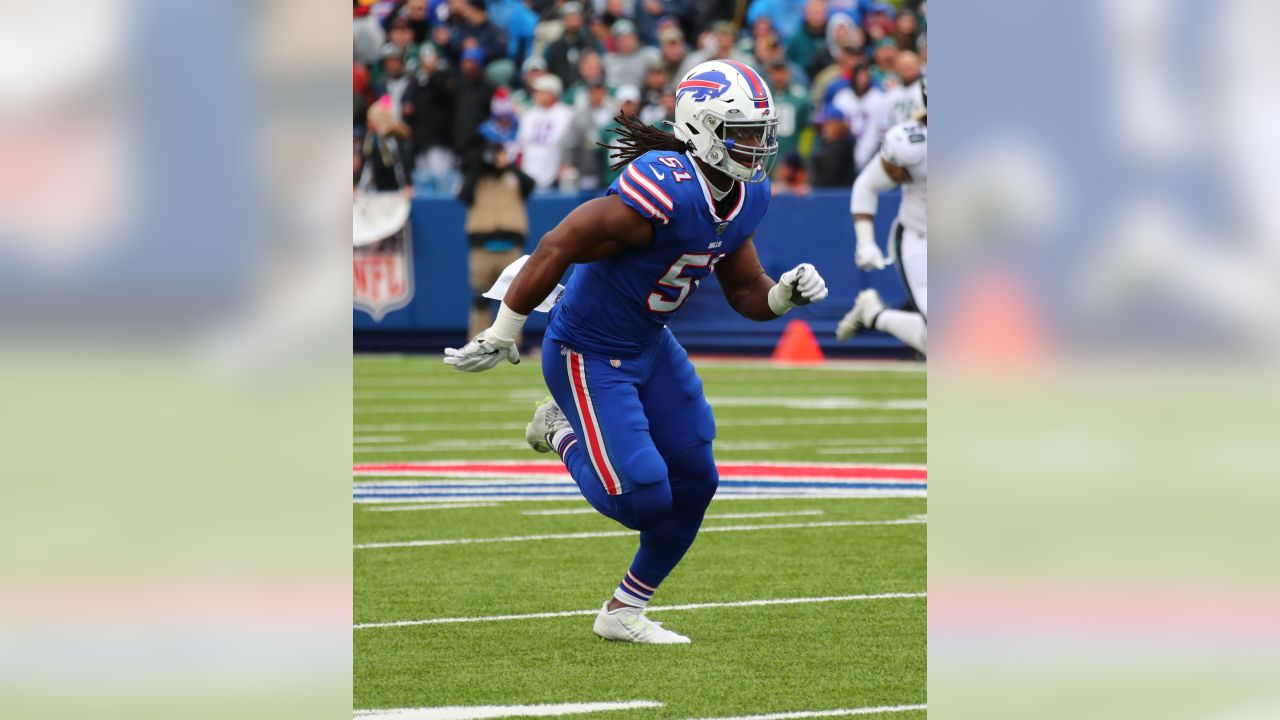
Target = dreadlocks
(636,138)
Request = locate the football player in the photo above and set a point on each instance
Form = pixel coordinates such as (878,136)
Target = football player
(903,161)
(627,416)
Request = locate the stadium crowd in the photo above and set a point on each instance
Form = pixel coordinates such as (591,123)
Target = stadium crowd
(440,84)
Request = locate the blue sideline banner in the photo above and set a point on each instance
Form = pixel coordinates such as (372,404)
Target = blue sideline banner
(816,228)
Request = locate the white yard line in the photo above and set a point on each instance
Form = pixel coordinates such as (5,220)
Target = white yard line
(867,451)
(839,712)
(713,516)
(427,427)
(815,403)
(650,609)
(744,516)
(478,712)
(434,506)
(827,366)
(629,533)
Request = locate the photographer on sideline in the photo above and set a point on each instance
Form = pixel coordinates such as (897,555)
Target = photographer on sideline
(494,192)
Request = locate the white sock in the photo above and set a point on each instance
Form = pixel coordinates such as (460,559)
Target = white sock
(558,437)
(909,327)
(628,600)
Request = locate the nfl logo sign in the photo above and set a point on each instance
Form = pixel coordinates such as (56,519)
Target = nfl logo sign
(615,363)
(382,261)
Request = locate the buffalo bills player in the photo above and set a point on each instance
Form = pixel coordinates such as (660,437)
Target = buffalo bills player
(628,416)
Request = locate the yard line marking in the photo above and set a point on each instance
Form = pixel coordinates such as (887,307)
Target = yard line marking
(374,439)
(631,533)
(855,450)
(828,365)
(819,403)
(478,712)
(720,516)
(434,506)
(839,712)
(744,516)
(650,609)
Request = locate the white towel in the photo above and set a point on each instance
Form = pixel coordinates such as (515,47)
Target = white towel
(499,289)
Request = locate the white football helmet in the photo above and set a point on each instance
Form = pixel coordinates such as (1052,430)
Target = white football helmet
(725,112)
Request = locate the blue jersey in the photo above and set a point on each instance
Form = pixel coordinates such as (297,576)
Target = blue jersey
(619,305)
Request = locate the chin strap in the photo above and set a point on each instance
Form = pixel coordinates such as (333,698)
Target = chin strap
(719,194)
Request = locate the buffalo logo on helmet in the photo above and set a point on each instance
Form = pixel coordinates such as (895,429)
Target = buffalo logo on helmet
(708,85)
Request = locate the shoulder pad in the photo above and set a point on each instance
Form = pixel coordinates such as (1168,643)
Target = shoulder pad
(648,184)
(905,144)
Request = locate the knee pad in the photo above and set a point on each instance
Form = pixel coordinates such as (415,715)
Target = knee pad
(694,477)
(643,507)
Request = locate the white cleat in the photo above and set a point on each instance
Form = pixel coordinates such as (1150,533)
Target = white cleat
(547,421)
(863,315)
(629,624)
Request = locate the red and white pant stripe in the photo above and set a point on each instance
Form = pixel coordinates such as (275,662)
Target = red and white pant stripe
(594,439)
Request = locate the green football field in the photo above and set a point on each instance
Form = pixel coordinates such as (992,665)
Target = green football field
(801,595)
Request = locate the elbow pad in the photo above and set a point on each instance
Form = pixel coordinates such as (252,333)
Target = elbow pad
(867,188)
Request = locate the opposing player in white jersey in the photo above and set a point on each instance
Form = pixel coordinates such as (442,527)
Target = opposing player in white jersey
(903,161)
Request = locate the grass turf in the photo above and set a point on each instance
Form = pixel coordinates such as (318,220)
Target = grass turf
(744,660)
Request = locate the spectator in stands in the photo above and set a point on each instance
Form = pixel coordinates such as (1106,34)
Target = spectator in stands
(865,110)
(762,31)
(901,96)
(769,51)
(534,68)
(807,47)
(650,15)
(883,59)
(564,55)
(784,15)
(387,164)
(497,224)
(590,72)
(836,77)
(628,97)
(656,83)
(591,113)
(394,81)
(905,31)
(502,126)
(471,108)
(430,112)
(833,162)
(674,51)
(793,109)
(469,27)
(361,94)
(415,12)
(627,64)
(401,36)
(520,22)
(367,37)
(546,133)
(878,21)
(718,44)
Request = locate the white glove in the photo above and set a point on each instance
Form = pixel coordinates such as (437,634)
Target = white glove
(869,257)
(482,353)
(491,346)
(866,253)
(800,285)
